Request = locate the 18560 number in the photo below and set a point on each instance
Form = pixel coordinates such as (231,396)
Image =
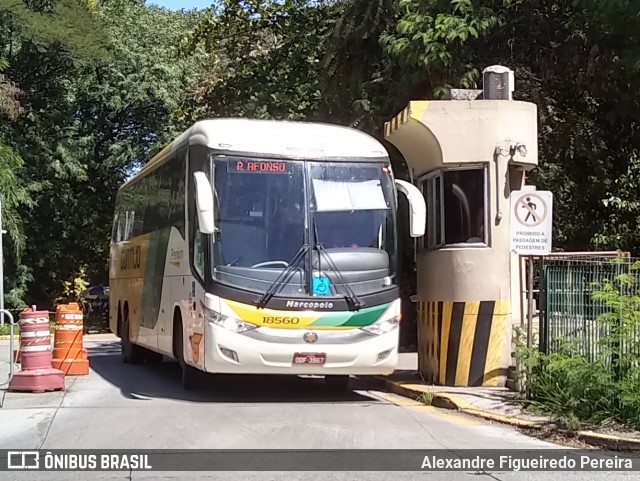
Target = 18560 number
(280,320)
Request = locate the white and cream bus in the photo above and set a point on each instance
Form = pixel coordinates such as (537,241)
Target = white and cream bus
(261,247)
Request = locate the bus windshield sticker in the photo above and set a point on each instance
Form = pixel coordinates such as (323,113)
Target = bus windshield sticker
(259,166)
(334,196)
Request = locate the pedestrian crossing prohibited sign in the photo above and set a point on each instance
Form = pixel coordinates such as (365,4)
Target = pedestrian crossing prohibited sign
(531,222)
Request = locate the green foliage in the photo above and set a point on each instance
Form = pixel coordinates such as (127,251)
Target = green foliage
(426,397)
(13,196)
(356,74)
(66,22)
(570,60)
(9,94)
(566,385)
(102,88)
(440,38)
(5,329)
(42,43)
(601,390)
(263,60)
(73,287)
(15,199)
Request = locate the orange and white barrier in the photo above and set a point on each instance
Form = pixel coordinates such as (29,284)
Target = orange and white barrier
(37,374)
(69,354)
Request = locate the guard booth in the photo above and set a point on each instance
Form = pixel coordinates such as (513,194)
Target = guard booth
(467,154)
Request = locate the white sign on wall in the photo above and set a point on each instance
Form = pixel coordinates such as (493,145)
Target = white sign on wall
(531,222)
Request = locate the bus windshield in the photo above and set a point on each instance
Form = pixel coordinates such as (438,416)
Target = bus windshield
(267,209)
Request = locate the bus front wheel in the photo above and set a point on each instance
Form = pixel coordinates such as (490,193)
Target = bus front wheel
(337,383)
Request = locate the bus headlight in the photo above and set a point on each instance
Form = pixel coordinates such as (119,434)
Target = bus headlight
(383,326)
(229,323)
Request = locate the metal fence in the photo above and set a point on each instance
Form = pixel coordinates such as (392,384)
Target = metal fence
(571,318)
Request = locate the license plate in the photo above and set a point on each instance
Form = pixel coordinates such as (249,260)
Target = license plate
(309,358)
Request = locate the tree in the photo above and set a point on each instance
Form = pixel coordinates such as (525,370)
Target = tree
(263,59)
(37,39)
(124,112)
(355,70)
(101,86)
(575,61)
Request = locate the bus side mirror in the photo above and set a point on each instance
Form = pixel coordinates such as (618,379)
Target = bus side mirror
(417,207)
(204,203)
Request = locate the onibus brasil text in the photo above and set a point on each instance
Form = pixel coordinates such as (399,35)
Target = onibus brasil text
(67,462)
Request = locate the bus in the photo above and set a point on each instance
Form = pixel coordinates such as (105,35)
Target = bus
(253,246)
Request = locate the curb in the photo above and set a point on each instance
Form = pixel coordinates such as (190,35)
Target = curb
(454,402)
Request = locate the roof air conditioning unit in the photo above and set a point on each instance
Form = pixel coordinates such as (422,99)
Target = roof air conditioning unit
(497,83)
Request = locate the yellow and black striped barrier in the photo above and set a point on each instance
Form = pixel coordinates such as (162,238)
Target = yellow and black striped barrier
(462,343)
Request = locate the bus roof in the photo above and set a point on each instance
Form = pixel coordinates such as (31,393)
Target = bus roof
(284,138)
(281,138)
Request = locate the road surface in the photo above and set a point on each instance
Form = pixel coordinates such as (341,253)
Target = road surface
(120,406)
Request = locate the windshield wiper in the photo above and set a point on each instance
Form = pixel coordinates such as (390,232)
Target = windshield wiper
(273,288)
(350,296)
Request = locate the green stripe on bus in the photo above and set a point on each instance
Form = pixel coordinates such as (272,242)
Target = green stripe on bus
(364,317)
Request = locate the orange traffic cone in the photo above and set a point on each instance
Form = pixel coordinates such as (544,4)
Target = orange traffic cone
(69,354)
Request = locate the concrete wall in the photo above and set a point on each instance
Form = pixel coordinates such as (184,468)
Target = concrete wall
(460,132)
(462,275)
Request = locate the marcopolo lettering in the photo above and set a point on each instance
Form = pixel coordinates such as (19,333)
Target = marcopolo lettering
(130,258)
(309,305)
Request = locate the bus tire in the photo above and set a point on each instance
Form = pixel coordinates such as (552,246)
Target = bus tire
(131,353)
(189,375)
(337,383)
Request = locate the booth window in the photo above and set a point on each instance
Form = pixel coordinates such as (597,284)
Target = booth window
(456,207)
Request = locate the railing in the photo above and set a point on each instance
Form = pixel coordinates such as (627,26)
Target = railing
(531,284)
(571,318)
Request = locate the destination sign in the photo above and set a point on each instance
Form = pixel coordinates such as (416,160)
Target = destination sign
(257,166)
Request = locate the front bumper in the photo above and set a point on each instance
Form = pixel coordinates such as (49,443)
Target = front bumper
(374,355)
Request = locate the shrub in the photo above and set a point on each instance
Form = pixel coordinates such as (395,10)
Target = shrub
(604,389)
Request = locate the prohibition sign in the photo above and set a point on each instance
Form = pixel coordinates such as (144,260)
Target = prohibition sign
(531,210)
